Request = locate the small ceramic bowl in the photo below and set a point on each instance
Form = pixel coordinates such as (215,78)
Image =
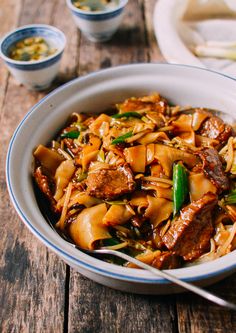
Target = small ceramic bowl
(34,74)
(181,85)
(98,26)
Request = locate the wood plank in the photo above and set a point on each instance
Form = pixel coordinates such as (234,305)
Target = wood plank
(39,11)
(11,10)
(128,45)
(155,54)
(27,276)
(70,58)
(95,308)
(92,307)
(195,315)
(33,279)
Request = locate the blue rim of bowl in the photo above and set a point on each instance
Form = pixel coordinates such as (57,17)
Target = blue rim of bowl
(58,250)
(27,31)
(99,15)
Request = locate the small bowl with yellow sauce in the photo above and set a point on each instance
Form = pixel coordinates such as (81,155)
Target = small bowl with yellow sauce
(32,54)
(97,19)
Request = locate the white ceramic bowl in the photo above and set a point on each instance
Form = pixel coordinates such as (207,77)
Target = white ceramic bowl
(179,84)
(98,26)
(35,75)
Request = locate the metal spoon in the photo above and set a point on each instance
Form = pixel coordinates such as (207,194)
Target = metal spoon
(186,285)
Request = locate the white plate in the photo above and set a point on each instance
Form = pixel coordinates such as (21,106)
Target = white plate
(174,36)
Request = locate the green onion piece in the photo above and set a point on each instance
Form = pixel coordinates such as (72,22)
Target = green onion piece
(215,51)
(121,138)
(127,115)
(230,199)
(145,119)
(82,176)
(71,135)
(110,242)
(180,186)
(25,56)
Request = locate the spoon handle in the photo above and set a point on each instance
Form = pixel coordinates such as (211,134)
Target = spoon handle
(186,285)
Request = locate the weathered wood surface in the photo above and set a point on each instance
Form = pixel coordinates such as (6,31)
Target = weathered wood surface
(38,292)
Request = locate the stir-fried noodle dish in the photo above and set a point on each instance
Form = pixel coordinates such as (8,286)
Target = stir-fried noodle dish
(153,180)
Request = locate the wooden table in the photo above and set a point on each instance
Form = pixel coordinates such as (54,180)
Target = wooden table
(39,293)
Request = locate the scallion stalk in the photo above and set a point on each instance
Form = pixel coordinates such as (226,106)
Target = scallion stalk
(230,199)
(71,135)
(180,186)
(127,115)
(122,138)
(215,52)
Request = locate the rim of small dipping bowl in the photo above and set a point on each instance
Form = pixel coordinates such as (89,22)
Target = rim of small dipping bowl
(61,47)
(122,4)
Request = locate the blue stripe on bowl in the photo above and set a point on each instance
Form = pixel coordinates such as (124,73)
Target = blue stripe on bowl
(52,36)
(33,66)
(67,256)
(98,16)
(28,32)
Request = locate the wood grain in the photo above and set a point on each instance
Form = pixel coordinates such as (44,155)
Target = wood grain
(128,45)
(153,49)
(39,293)
(94,308)
(196,315)
(10,9)
(32,279)
(27,269)
(62,19)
